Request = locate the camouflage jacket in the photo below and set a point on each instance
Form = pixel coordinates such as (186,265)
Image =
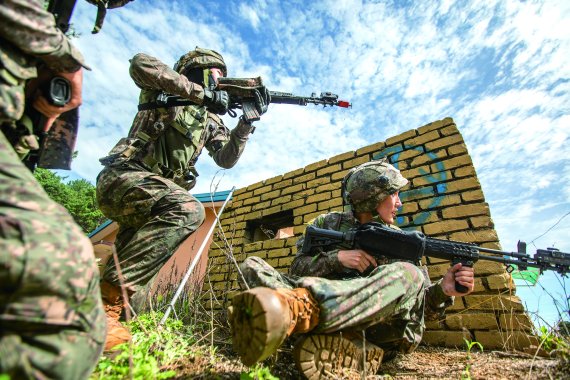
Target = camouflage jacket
(324,262)
(28,37)
(168,141)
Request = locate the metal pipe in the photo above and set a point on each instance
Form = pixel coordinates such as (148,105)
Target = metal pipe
(195,261)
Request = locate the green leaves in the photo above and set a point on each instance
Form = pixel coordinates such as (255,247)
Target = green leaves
(77,196)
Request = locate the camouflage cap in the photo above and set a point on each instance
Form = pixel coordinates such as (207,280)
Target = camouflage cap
(366,185)
(201,58)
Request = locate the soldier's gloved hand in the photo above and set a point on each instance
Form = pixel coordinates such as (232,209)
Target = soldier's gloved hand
(216,101)
(262,100)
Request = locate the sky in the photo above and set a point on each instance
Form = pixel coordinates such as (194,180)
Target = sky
(498,68)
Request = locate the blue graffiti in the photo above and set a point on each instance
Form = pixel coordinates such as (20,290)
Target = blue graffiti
(437,196)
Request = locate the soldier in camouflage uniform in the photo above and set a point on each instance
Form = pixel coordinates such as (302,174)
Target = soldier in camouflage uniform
(144,185)
(340,294)
(52,323)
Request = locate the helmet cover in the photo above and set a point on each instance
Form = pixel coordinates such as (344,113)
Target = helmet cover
(368,184)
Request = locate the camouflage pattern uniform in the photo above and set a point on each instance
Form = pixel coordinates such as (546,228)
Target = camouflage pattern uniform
(144,186)
(52,323)
(389,303)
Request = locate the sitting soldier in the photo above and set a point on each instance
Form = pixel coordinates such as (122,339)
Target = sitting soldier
(351,307)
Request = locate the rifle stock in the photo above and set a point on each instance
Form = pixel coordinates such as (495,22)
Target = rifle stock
(381,241)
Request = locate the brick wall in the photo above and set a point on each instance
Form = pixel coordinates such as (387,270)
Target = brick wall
(445,200)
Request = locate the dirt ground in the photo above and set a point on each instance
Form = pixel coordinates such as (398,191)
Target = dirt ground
(424,363)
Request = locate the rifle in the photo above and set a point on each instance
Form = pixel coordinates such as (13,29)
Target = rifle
(242,93)
(381,241)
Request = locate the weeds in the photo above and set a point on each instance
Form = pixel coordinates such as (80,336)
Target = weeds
(259,372)
(466,373)
(153,350)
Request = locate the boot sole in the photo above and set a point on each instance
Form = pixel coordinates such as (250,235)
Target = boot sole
(259,322)
(328,356)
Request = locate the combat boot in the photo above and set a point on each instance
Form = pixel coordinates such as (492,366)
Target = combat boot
(261,319)
(113,305)
(327,356)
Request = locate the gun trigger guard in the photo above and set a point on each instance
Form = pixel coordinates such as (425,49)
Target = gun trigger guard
(232,113)
(510,268)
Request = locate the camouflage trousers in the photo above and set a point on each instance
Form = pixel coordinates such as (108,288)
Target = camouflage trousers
(52,322)
(155,216)
(387,305)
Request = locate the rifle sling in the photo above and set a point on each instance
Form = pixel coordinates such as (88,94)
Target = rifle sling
(171,102)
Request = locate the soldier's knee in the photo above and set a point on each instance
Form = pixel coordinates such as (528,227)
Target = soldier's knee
(411,275)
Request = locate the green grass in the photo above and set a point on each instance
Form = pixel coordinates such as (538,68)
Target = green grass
(154,350)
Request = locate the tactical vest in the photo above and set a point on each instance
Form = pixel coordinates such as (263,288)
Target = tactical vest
(166,141)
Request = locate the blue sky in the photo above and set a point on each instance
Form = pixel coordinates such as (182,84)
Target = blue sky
(499,68)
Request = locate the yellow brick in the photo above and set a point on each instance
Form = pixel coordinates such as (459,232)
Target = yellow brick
(371,148)
(309,217)
(318,182)
(327,187)
(263,189)
(449,130)
(336,177)
(416,172)
(443,142)
(451,163)
(251,200)
(355,162)
(305,209)
(409,207)
(434,125)
(318,198)
(271,210)
(462,185)
(505,341)
(494,302)
(445,227)
(282,184)
(304,178)
(427,158)
(293,173)
(329,169)
(502,281)
(261,205)
(341,157)
(407,154)
(285,262)
(475,195)
(475,236)
(422,139)
(426,204)
(272,180)
(479,321)
(465,171)
(331,205)
(281,252)
(429,180)
(485,268)
(457,149)
(315,165)
(270,195)
(275,243)
(481,221)
(462,211)
(446,338)
(401,137)
(518,321)
(281,200)
(293,189)
(254,186)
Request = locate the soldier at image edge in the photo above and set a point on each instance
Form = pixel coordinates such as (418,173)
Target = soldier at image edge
(51,315)
(332,300)
(145,184)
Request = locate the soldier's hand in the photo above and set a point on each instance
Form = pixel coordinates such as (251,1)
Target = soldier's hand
(262,100)
(216,101)
(356,259)
(463,275)
(50,111)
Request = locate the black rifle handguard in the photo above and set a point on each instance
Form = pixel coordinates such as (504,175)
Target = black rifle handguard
(379,240)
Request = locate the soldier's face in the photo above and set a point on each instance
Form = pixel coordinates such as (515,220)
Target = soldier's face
(215,74)
(388,208)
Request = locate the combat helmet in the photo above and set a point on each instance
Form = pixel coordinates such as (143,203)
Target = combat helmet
(200,58)
(366,185)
